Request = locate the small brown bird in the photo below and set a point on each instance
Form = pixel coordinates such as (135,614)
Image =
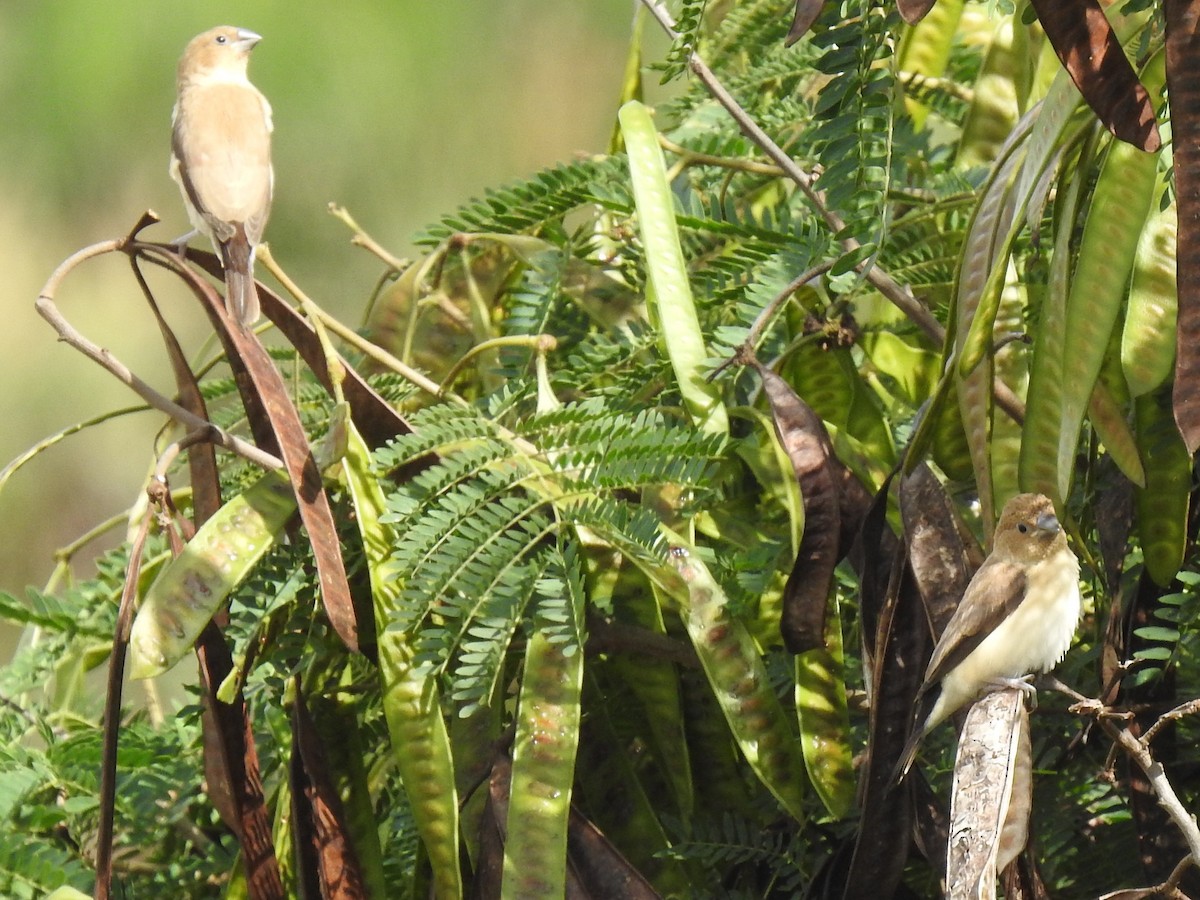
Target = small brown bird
(221,156)
(1018,616)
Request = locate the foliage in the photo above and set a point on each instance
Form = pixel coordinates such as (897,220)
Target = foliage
(571,581)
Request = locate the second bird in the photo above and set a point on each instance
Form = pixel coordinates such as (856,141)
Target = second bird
(221,156)
(1018,616)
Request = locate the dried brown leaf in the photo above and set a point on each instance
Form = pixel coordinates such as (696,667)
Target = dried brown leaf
(1183,87)
(1092,55)
(804,439)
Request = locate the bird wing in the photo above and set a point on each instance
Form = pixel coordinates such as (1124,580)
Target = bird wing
(1003,584)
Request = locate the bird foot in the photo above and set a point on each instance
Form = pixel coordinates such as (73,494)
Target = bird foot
(180,243)
(1022,684)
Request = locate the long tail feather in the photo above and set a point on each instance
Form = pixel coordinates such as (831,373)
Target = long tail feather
(241,295)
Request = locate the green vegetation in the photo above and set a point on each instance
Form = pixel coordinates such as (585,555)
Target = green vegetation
(668,457)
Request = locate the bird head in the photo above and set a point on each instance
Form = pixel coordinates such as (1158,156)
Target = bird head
(224,49)
(1028,529)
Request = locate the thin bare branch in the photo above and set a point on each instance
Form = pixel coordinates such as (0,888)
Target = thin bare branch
(67,333)
(1139,752)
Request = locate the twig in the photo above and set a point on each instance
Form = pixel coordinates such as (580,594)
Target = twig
(68,334)
(540,343)
(1139,752)
(1184,709)
(364,240)
(333,362)
(745,350)
(1167,798)
(112,714)
(694,158)
(381,356)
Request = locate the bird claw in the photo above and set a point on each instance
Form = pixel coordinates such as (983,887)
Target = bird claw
(1022,684)
(180,243)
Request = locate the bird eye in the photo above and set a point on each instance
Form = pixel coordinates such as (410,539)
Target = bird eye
(1023,528)
(221,39)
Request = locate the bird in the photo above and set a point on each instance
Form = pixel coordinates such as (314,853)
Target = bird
(221,156)
(1017,617)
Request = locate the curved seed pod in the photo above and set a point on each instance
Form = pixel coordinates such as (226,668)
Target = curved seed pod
(716,767)
(655,682)
(1148,336)
(1030,153)
(829,381)
(543,772)
(1105,259)
(1091,52)
(1010,366)
(215,561)
(1108,411)
(739,680)
(804,439)
(673,311)
(806,13)
(1162,506)
(411,700)
(976,299)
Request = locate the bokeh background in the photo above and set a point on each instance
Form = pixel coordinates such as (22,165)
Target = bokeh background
(398,110)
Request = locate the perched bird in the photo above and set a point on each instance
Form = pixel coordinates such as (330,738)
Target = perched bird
(1018,616)
(221,156)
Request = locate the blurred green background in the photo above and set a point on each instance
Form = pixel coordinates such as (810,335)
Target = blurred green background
(400,111)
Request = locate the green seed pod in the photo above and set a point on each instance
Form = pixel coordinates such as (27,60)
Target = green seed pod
(411,699)
(739,681)
(193,586)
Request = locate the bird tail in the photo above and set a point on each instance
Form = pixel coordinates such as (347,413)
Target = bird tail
(910,753)
(241,295)
(923,722)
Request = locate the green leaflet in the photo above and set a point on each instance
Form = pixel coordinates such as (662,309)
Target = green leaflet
(544,748)
(670,297)
(739,680)
(411,702)
(191,589)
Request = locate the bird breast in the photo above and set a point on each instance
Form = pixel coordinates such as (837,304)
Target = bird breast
(1033,638)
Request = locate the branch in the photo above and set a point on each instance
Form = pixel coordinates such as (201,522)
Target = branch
(67,333)
(1139,752)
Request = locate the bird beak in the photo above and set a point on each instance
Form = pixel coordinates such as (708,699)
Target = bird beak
(1048,522)
(247,39)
